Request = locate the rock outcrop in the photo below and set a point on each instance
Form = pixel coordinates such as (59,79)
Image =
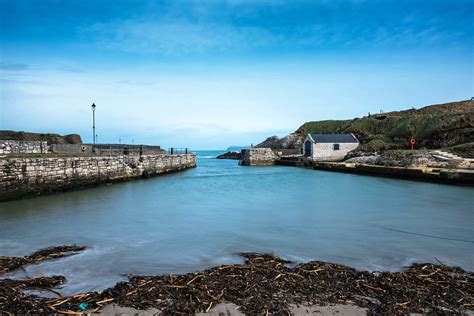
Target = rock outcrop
(416,159)
(291,141)
(50,138)
(230,155)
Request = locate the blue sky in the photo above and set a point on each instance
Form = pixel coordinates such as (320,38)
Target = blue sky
(209,74)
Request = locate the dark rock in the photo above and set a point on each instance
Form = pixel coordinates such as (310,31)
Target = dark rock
(73,138)
(230,155)
(237,148)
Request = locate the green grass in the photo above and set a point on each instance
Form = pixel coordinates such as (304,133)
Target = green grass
(400,154)
(432,127)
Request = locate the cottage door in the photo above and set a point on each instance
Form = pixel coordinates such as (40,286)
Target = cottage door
(307,148)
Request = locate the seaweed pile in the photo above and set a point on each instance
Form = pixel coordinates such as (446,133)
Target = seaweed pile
(12,296)
(13,299)
(8,264)
(266,284)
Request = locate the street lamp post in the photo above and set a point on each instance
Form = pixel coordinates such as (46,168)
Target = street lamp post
(93,121)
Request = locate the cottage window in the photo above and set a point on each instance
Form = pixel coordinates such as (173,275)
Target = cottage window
(336,147)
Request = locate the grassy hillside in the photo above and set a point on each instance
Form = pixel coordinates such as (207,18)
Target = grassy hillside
(50,138)
(434,126)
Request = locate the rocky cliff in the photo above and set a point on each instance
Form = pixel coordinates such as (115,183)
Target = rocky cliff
(50,138)
(434,126)
(291,141)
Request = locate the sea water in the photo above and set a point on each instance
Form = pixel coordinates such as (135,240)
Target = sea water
(202,217)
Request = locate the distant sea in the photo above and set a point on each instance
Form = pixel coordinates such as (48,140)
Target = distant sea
(202,217)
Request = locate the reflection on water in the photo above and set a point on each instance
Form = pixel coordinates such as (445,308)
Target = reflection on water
(201,217)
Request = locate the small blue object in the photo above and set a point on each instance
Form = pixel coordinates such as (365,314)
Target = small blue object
(83,306)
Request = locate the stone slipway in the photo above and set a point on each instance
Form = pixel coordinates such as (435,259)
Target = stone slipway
(23,176)
(230,309)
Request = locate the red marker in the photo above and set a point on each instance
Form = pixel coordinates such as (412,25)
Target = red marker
(412,142)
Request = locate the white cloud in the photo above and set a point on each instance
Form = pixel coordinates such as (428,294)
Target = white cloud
(216,107)
(176,37)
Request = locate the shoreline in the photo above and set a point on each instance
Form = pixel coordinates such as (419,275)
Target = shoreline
(433,168)
(436,175)
(263,284)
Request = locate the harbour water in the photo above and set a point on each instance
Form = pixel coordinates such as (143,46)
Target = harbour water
(203,217)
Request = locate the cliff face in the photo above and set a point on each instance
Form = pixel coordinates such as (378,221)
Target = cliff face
(291,141)
(434,126)
(50,138)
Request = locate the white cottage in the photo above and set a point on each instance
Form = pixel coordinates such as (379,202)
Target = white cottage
(329,147)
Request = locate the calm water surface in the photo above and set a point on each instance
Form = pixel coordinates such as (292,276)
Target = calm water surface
(201,217)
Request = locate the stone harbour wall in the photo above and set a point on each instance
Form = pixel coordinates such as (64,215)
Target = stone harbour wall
(71,149)
(22,147)
(14,147)
(258,157)
(36,176)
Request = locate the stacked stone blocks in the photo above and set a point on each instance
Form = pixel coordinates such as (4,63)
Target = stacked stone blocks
(258,157)
(23,176)
(22,147)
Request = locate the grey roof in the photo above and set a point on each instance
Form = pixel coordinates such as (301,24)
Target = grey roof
(334,138)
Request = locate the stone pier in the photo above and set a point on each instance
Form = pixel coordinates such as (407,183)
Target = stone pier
(258,157)
(20,176)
